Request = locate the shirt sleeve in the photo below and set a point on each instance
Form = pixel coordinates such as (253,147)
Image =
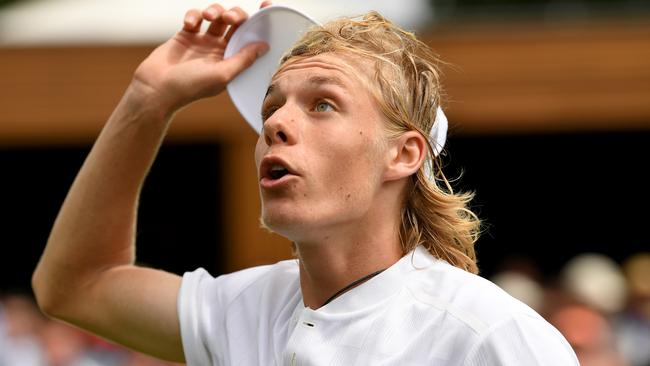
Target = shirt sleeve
(189,314)
(203,307)
(521,340)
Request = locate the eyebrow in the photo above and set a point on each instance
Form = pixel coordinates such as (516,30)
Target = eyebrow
(314,81)
(324,80)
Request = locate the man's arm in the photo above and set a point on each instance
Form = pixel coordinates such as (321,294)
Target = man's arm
(86,275)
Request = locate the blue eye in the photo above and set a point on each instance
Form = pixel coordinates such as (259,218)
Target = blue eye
(323,107)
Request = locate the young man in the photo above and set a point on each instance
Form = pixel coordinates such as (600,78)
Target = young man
(385,265)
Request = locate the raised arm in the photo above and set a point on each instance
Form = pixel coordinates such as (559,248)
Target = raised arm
(86,275)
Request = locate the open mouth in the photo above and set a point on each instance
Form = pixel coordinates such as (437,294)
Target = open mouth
(277,171)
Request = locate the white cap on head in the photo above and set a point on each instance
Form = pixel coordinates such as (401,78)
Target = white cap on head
(280,27)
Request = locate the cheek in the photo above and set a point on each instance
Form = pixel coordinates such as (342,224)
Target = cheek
(352,170)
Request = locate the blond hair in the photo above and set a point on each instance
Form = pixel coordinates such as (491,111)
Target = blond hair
(407,88)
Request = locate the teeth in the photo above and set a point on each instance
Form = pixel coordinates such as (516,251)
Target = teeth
(277,167)
(277,171)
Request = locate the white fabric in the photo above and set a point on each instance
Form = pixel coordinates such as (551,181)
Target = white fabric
(420,311)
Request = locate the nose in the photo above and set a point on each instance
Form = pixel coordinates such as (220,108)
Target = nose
(278,127)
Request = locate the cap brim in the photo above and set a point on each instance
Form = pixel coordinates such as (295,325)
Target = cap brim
(280,27)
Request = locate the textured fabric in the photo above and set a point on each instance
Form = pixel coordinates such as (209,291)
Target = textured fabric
(420,311)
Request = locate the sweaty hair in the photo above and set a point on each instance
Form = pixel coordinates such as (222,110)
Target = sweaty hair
(405,84)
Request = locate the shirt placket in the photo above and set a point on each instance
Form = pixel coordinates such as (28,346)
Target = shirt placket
(302,339)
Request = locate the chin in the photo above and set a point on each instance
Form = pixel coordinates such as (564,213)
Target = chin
(288,223)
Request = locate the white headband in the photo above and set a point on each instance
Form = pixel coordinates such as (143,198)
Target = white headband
(438,134)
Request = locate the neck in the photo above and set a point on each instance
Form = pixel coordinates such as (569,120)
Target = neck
(343,256)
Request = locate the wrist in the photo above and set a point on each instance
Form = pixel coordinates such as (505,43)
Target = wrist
(143,100)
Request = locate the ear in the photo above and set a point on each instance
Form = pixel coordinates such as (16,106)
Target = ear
(405,155)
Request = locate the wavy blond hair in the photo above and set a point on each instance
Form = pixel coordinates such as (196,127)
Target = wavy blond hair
(406,86)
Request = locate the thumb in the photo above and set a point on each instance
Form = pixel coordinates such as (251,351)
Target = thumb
(238,62)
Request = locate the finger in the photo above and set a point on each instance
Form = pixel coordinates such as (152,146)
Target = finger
(235,17)
(192,21)
(264,4)
(213,14)
(238,62)
(230,32)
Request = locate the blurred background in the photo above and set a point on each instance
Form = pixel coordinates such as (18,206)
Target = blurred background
(549,106)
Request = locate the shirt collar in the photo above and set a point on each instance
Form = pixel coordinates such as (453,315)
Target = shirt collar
(382,286)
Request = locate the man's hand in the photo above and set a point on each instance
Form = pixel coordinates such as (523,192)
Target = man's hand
(191,65)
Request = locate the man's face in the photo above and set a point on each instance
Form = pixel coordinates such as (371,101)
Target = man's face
(321,153)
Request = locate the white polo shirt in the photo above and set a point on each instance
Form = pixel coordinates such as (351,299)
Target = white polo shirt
(420,311)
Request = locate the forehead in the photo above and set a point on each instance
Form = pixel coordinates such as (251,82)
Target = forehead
(328,68)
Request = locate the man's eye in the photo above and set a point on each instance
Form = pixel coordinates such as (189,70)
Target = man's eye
(323,107)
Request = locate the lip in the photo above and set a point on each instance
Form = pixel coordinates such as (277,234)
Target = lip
(266,181)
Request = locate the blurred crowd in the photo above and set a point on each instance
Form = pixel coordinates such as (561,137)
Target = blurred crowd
(28,338)
(602,309)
